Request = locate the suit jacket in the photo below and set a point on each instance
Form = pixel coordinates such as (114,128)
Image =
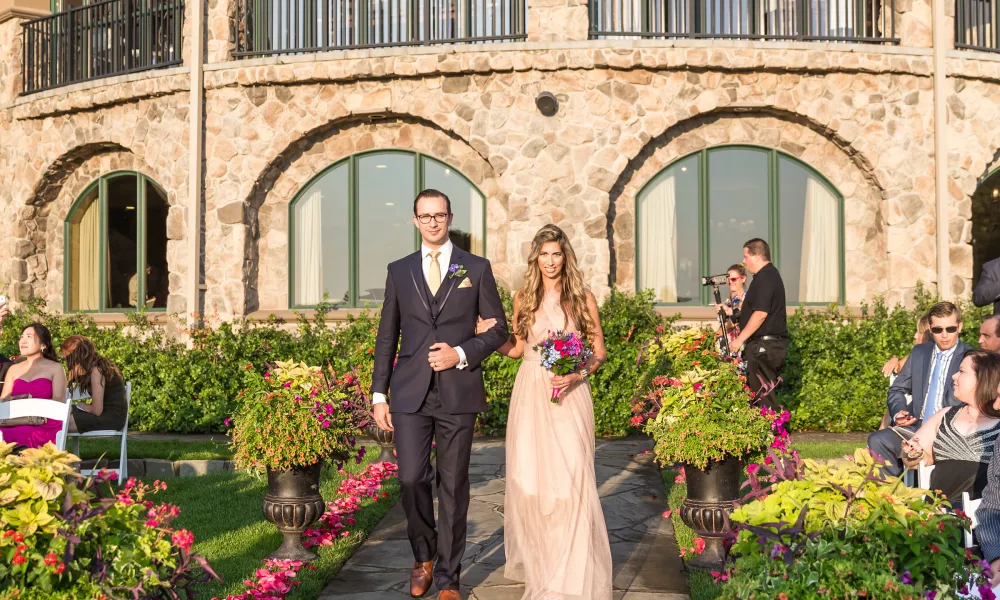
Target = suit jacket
(988,289)
(915,376)
(409,310)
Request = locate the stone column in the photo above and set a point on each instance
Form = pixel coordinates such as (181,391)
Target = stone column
(557,20)
(12,14)
(221,16)
(913,22)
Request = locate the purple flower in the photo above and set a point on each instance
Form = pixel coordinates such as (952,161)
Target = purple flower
(326,424)
(329,409)
(986,592)
(930,595)
(227,421)
(452,268)
(905,578)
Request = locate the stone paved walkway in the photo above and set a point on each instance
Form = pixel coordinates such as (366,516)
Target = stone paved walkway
(645,556)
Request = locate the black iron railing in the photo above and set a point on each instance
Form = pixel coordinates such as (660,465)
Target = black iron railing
(976,25)
(871,21)
(268,27)
(110,37)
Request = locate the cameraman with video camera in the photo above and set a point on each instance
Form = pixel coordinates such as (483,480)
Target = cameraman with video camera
(763,322)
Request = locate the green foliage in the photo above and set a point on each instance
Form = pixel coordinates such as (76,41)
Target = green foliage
(499,373)
(840,526)
(62,536)
(292,416)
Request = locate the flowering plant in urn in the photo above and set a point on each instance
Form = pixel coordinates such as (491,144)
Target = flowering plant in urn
(293,415)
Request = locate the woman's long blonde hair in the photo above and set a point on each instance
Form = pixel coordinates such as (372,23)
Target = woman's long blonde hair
(572,295)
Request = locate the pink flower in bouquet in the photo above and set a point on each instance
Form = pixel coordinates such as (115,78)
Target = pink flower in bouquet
(563,353)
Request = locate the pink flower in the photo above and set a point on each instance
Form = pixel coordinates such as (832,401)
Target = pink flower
(326,424)
(699,545)
(287,384)
(667,513)
(227,421)
(752,469)
(183,539)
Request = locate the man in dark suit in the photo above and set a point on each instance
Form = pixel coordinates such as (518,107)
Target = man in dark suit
(988,289)
(433,298)
(926,377)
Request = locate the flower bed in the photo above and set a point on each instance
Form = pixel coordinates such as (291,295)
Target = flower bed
(66,536)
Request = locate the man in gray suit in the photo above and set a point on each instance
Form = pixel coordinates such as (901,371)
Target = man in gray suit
(988,289)
(927,378)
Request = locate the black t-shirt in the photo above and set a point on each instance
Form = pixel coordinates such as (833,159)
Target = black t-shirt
(766,293)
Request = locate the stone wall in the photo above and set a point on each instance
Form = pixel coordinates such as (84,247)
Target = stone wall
(860,115)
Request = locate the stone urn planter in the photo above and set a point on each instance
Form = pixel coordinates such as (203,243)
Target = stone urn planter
(711,496)
(385,440)
(293,503)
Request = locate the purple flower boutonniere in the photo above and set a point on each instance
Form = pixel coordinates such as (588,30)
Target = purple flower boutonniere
(456,271)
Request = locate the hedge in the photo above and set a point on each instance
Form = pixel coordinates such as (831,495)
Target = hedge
(833,379)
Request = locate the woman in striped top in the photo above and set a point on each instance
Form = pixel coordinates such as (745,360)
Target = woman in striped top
(960,439)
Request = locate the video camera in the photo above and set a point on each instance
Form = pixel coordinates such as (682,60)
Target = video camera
(715,279)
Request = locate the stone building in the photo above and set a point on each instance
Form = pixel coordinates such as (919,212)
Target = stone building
(235,157)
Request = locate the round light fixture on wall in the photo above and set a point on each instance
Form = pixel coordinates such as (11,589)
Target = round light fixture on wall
(547,103)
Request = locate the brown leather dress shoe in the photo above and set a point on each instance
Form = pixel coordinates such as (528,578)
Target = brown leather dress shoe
(420,578)
(449,595)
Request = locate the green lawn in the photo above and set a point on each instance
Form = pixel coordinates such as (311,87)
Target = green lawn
(223,511)
(701,583)
(165,449)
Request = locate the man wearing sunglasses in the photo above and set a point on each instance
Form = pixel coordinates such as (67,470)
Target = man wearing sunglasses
(926,376)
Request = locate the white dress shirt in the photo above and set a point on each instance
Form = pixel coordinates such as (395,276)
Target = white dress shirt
(444,261)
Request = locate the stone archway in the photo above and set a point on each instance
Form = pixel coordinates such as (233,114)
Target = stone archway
(266,265)
(985,223)
(866,243)
(37,267)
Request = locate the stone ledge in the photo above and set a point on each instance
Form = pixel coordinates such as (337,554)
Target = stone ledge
(154,467)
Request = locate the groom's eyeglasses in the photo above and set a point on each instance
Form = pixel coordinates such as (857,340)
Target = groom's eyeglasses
(439,217)
(949,329)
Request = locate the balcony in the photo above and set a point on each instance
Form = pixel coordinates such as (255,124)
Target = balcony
(859,21)
(273,27)
(975,25)
(103,39)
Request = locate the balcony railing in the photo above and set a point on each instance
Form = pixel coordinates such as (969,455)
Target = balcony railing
(976,25)
(270,27)
(106,38)
(870,21)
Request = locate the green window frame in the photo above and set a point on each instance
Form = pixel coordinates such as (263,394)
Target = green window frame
(101,184)
(353,210)
(773,211)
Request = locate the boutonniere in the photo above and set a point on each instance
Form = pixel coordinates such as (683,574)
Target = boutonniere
(456,271)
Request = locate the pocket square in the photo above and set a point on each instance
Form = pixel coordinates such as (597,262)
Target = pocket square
(466,283)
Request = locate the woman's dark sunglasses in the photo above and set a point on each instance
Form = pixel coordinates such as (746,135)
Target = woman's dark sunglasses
(949,329)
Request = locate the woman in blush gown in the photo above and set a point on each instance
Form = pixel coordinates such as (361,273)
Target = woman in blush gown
(39,376)
(555,536)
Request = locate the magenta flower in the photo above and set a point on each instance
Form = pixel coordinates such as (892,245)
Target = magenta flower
(326,424)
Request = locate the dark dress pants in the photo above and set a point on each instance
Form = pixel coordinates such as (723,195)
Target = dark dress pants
(889,446)
(414,433)
(765,359)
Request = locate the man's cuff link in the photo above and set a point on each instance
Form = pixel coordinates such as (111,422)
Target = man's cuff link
(462,361)
(378,398)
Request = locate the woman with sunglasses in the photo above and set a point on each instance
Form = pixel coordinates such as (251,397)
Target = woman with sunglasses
(737,278)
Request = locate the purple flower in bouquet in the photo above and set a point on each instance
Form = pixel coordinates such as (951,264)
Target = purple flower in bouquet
(563,353)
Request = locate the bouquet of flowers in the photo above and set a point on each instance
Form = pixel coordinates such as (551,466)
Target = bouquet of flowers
(563,353)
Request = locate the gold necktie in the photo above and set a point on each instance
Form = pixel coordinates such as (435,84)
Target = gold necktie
(434,273)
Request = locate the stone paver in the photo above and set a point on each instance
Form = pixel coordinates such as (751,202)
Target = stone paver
(645,555)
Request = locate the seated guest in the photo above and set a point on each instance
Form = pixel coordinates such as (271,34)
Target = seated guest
(989,334)
(959,440)
(39,376)
(92,375)
(893,365)
(925,377)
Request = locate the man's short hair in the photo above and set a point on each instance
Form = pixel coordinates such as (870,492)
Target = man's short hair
(945,309)
(996,323)
(758,247)
(430,193)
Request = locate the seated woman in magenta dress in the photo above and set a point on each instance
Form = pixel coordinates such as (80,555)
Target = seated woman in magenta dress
(39,376)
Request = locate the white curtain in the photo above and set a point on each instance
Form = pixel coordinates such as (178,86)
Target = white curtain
(309,249)
(476,207)
(819,273)
(86,252)
(658,240)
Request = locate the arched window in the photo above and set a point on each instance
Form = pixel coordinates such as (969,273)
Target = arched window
(693,218)
(355,217)
(116,246)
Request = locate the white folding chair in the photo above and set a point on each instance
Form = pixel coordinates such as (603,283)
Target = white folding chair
(39,407)
(924,475)
(122,469)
